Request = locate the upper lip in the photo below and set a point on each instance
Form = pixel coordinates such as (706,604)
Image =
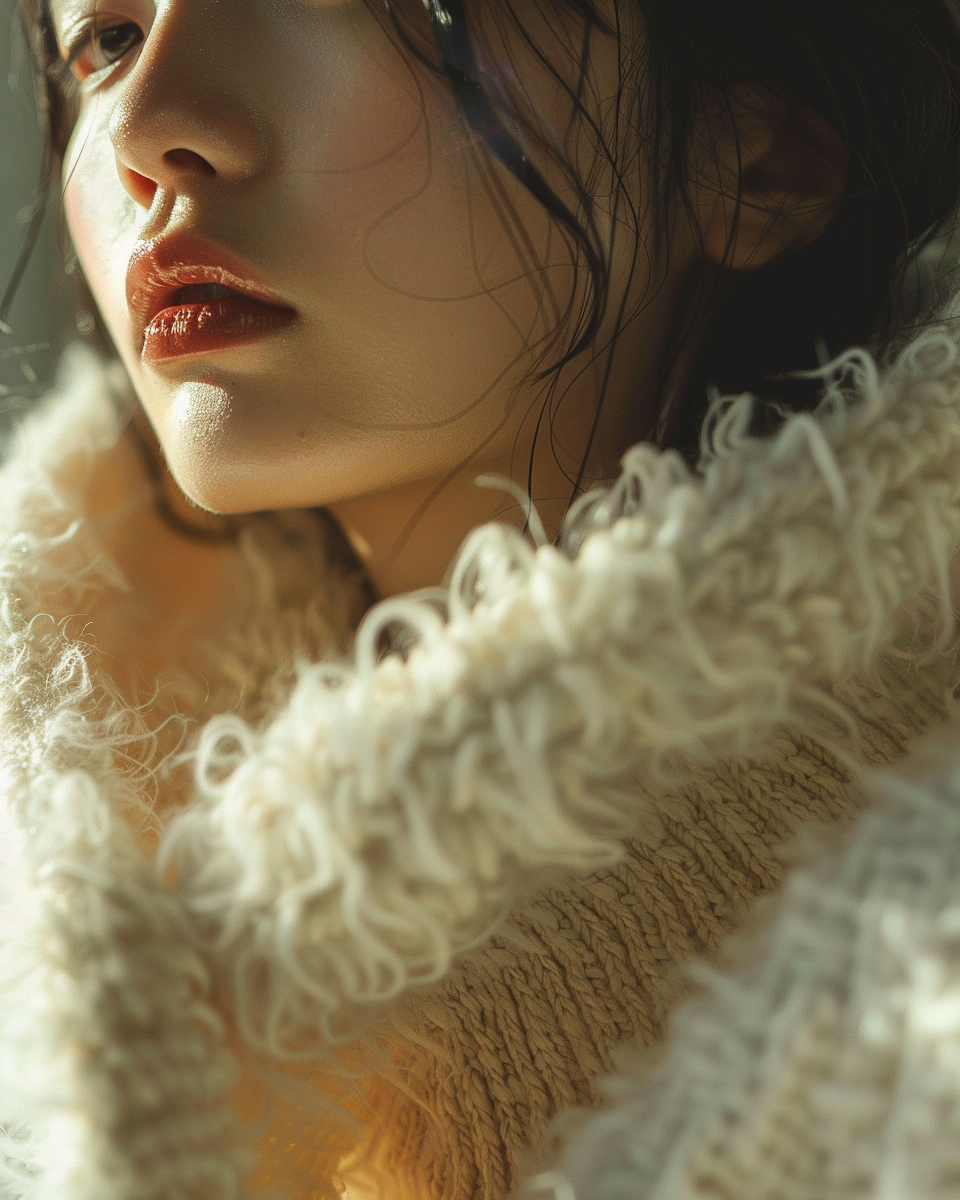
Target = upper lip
(159,267)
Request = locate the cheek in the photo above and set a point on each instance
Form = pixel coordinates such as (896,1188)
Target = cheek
(357,142)
(101,218)
(388,193)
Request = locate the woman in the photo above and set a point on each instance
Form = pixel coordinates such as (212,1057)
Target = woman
(276,924)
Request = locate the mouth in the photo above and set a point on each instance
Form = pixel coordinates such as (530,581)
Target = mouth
(185,308)
(203,318)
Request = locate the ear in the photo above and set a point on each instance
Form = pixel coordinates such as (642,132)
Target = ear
(767,178)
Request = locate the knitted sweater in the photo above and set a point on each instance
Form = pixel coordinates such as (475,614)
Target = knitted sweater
(823,1065)
(311,917)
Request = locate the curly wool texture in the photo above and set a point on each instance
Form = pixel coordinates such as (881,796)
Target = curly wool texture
(98,981)
(115,1078)
(390,814)
(827,1066)
(525,1025)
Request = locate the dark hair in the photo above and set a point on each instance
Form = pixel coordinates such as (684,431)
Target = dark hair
(885,76)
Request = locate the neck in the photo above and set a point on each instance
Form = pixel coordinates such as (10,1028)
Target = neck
(593,412)
(407,535)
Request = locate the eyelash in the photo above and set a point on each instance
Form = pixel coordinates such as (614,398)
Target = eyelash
(89,39)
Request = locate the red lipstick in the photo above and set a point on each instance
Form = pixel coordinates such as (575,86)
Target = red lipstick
(190,297)
(197,328)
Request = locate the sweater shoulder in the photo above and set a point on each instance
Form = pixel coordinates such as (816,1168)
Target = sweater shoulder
(825,1048)
(48,454)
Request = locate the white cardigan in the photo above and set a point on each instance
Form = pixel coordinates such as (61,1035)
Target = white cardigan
(392,809)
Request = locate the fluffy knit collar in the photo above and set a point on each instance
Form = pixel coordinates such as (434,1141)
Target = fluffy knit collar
(391,809)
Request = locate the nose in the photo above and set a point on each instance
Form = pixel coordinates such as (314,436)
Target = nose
(182,114)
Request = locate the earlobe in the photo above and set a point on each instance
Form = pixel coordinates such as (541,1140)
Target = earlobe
(775,181)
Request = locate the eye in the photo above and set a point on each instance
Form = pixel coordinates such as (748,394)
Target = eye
(97,49)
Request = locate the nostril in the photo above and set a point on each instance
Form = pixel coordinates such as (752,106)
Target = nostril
(138,186)
(189,160)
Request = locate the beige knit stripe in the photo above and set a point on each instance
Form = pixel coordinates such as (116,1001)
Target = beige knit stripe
(558,1053)
(504,1072)
(842,1073)
(573,990)
(552,1081)
(523,1016)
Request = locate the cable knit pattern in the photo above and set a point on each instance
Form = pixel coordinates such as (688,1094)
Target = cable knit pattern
(826,1066)
(391,844)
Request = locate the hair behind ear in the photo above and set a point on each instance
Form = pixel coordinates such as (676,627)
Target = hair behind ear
(885,76)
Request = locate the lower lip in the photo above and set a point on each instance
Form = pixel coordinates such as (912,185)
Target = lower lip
(214,325)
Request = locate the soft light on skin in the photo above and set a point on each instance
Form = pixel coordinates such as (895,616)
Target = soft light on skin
(296,135)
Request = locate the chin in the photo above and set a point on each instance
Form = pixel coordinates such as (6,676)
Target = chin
(224,481)
(214,492)
(203,450)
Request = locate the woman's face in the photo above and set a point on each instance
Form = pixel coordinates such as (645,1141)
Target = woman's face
(287,232)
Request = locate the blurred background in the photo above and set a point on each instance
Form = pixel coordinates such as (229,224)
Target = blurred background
(45,309)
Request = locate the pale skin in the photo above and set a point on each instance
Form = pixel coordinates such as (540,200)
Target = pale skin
(296,135)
